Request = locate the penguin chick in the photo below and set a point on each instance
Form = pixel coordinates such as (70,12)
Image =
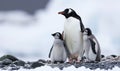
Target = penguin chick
(91,46)
(57,52)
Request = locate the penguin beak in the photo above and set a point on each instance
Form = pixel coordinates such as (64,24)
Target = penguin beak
(62,12)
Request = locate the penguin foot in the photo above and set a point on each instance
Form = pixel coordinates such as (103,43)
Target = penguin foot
(73,60)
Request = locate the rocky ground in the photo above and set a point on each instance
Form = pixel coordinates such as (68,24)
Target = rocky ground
(9,62)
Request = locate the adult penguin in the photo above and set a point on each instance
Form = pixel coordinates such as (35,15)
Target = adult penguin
(73,34)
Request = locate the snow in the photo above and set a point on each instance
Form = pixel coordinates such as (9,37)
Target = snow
(71,68)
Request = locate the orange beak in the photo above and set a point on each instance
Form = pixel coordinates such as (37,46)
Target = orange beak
(61,13)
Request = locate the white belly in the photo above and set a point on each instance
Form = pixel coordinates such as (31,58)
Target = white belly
(92,56)
(88,49)
(58,52)
(72,36)
(86,46)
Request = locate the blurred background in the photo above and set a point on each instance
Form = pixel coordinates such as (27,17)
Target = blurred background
(26,25)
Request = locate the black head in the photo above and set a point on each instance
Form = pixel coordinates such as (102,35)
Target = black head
(68,12)
(88,31)
(57,35)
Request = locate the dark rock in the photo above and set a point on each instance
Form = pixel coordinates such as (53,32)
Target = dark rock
(8,57)
(27,65)
(36,64)
(42,61)
(32,65)
(91,65)
(13,67)
(12,63)
(4,68)
(60,65)
(19,63)
(6,62)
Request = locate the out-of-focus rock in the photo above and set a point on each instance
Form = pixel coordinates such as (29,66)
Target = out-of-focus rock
(9,62)
(10,57)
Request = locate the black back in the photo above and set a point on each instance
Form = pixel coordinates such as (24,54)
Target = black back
(93,46)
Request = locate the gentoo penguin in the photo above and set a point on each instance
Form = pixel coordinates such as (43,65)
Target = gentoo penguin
(91,46)
(72,34)
(58,52)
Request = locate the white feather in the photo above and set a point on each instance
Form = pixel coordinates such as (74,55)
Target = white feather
(58,52)
(73,37)
(69,11)
(88,49)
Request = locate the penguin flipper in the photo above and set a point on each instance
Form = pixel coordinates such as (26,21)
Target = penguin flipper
(67,50)
(63,35)
(81,25)
(98,58)
(93,46)
(50,51)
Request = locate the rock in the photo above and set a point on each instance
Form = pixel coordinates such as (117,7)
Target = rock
(6,62)
(13,67)
(27,65)
(9,62)
(60,65)
(91,65)
(19,63)
(36,64)
(8,57)
(32,65)
(42,61)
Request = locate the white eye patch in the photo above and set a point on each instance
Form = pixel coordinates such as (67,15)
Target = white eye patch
(57,34)
(69,11)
